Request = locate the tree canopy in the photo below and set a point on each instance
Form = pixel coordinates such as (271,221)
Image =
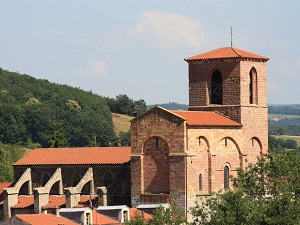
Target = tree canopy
(265,193)
(53,115)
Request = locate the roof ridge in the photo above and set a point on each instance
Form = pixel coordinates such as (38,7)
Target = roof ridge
(236,52)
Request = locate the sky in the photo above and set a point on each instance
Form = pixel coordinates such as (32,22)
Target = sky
(137,47)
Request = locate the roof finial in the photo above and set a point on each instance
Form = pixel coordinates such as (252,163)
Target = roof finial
(231,34)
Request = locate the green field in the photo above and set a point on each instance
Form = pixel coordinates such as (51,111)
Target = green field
(281,116)
(286,137)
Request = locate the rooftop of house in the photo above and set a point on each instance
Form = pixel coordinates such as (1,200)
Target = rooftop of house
(136,212)
(227,53)
(103,220)
(44,219)
(76,156)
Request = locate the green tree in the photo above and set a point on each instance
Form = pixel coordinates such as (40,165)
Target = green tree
(6,170)
(265,193)
(171,215)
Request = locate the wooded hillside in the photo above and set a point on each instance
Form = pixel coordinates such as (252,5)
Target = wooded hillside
(38,112)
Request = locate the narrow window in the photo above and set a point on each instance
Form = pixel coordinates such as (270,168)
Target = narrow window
(125,215)
(253,93)
(251,88)
(156,142)
(216,88)
(200,182)
(88,220)
(226,177)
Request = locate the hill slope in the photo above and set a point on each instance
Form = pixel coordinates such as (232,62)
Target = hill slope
(52,115)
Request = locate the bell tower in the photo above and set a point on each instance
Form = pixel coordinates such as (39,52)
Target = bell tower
(232,82)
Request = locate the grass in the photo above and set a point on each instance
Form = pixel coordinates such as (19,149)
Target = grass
(121,122)
(281,116)
(287,137)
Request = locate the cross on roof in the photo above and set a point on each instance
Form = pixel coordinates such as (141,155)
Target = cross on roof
(231,34)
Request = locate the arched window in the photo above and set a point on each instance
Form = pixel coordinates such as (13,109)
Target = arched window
(226,177)
(253,99)
(200,182)
(251,88)
(216,88)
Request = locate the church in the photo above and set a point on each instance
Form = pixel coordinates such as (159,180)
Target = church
(175,156)
(183,156)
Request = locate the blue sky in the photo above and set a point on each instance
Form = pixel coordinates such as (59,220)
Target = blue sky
(138,47)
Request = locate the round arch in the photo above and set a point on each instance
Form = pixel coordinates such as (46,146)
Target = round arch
(156,166)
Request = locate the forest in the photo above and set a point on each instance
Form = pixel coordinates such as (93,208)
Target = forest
(37,112)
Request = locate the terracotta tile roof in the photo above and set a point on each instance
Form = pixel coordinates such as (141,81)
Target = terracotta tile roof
(134,211)
(101,219)
(71,156)
(226,52)
(85,201)
(24,202)
(55,201)
(3,185)
(44,219)
(206,118)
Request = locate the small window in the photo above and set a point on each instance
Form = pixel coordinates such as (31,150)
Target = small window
(200,182)
(226,177)
(125,216)
(87,219)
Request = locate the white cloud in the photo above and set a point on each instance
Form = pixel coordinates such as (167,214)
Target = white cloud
(95,68)
(170,30)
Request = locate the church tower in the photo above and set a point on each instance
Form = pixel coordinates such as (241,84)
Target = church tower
(232,82)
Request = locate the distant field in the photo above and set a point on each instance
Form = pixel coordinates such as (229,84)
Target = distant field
(281,116)
(285,137)
(121,122)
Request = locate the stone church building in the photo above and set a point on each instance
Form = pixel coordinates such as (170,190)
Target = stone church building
(185,155)
(179,156)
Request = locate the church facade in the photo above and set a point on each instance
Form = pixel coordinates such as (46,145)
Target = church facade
(183,156)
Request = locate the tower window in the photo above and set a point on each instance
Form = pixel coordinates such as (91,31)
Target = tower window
(253,98)
(251,89)
(200,182)
(226,177)
(216,88)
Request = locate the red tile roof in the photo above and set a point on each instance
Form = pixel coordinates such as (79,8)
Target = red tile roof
(101,219)
(134,211)
(225,53)
(44,219)
(206,118)
(3,185)
(55,201)
(24,201)
(71,156)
